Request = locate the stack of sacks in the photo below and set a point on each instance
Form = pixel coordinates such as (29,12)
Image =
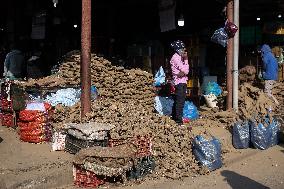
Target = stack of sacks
(6,105)
(34,123)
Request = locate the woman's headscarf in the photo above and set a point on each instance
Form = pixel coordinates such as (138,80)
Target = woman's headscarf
(177,45)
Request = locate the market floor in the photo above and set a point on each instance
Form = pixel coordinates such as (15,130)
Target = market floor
(25,165)
(246,169)
(258,170)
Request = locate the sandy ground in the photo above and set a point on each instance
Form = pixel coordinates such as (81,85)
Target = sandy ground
(243,169)
(26,165)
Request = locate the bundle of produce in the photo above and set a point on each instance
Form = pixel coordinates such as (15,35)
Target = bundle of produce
(253,100)
(247,74)
(85,178)
(5,104)
(35,125)
(7,119)
(7,115)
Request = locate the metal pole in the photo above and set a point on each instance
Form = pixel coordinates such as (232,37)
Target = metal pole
(236,57)
(229,58)
(86,58)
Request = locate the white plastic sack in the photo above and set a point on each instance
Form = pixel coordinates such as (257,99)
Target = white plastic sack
(211,100)
(36,106)
(58,141)
(66,97)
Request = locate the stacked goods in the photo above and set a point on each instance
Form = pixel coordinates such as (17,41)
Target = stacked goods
(106,162)
(86,135)
(124,159)
(7,115)
(34,125)
(145,163)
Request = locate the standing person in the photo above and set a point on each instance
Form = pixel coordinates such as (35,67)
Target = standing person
(14,65)
(270,71)
(180,69)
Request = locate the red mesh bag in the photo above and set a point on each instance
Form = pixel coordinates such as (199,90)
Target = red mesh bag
(31,115)
(32,138)
(5,104)
(143,144)
(84,178)
(7,119)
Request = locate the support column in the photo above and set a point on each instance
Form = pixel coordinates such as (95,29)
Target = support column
(229,59)
(86,58)
(236,58)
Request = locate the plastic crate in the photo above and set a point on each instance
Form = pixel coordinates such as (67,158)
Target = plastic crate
(84,178)
(145,166)
(74,145)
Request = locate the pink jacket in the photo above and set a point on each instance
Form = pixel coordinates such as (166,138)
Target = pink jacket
(177,65)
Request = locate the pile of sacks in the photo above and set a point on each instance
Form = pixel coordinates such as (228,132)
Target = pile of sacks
(35,123)
(261,132)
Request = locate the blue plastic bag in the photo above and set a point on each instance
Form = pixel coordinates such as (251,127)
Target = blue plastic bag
(207,153)
(274,126)
(260,135)
(241,135)
(220,36)
(160,77)
(164,105)
(212,87)
(94,92)
(190,111)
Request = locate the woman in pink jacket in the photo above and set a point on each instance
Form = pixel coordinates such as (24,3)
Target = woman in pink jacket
(180,69)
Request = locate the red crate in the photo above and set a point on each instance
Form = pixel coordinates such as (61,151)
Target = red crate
(84,178)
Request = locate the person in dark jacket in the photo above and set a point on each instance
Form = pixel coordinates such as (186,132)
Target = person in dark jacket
(270,70)
(14,65)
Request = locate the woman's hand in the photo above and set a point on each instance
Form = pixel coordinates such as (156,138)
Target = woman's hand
(181,74)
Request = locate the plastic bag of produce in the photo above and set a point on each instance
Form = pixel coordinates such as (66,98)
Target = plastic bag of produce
(164,105)
(58,141)
(231,29)
(211,100)
(274,126)
(241,135)
(207,152)
(160,77)
(260,135)
(190,111)
(212,88)
(220,37)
